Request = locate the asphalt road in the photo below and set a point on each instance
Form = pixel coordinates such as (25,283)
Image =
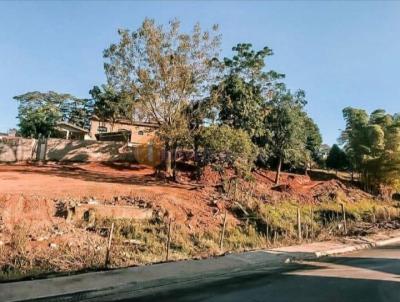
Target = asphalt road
(369,275)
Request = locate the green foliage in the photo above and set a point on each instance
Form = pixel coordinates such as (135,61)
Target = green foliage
(38,122)
(249,65)
(165,70)
(240,105)
(39,112)
(252,99)
(225,147)
(244,89)
(373,145)
(285,138)
(110,105)
(336,159)
(313,139)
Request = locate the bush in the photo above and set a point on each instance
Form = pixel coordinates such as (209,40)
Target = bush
(226,147)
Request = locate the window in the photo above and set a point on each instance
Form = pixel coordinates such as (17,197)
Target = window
(140,132)
(101,129)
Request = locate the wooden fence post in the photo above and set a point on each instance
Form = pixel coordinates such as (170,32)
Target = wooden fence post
(221,241)
(109,245)
(312,222)
(236,185)
(299,223)
(373,215)
(168,239)
(306,231)
(344,218)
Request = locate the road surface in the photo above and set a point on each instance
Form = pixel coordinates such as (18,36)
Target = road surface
(369,275)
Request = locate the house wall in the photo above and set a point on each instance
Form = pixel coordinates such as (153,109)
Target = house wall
(147,137)
(18,149)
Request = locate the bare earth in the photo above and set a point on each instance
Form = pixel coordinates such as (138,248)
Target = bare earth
(28,192)
(82,180)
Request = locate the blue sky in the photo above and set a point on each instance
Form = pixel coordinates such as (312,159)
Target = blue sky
(341,53)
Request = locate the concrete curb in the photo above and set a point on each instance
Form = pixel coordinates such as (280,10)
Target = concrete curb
(357,247)
(343,250)
(388,241)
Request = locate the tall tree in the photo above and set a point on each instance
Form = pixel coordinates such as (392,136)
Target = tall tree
(285,138)
(166,70)
(245,88)
(373,143)
(336,159)
(313,141)
(110,105)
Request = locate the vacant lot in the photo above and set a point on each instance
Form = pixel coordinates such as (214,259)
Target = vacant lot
(38,233)
(24,185)
(82,180)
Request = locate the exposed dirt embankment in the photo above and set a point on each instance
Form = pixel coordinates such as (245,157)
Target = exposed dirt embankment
(57,217)
(300,188)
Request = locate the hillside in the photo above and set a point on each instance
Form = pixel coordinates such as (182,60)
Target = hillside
(57,217)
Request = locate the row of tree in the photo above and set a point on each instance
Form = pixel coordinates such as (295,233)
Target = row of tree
(231,111)
(178,81)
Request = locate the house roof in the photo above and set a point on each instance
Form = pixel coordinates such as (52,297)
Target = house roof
(71,127)
(127,122)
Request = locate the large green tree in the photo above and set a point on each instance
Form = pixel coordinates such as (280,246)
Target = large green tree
(285,138)
(244,89)
(313,142)
(373,145)
(39,112)
(337,159)
(110,105)
(165,70)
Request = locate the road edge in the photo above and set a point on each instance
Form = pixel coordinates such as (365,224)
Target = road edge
(230,265)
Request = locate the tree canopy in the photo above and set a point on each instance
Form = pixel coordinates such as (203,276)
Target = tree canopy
(111,105)
(165,70)
(373,145)
(336,159)
(288,130)
(245,88)
(39,112)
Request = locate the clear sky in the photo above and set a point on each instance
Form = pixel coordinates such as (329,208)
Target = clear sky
(341,53)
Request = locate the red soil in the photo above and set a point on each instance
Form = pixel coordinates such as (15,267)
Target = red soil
(28,192)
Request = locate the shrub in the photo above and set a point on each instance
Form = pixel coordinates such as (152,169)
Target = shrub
(226,147)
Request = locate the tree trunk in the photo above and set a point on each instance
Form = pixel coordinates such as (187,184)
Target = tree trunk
(278,171)
(168,159)
(174,163)
(196,159)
